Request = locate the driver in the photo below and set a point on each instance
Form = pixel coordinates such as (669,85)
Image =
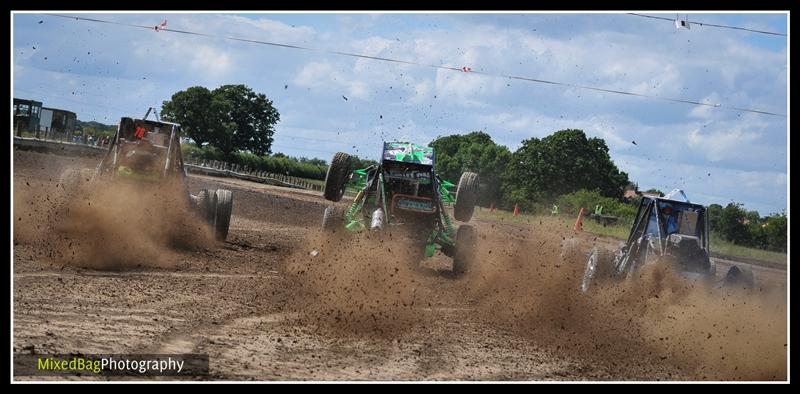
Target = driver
(672,219)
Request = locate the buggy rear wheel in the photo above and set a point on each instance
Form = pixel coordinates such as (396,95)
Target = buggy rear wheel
(740,277)
(337,176)
(206,200)
(72,179)
(69,181)
(466,196)
(215,207)
(464,255)
(223,206)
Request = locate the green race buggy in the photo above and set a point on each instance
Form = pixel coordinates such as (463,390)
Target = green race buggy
(403,192)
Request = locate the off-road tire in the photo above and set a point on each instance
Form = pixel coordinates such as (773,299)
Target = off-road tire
(464,256)
(599,266)
(72,179)
(223,207)
(206,201)
(466,196)
(337,176)
(739,277)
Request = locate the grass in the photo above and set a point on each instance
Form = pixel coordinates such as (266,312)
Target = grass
(726,248)
(621,231)
(314,181)
(505,216)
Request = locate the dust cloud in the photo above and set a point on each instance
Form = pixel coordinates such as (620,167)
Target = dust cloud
(364,284)
(520,281)
(703,331)
(109,225)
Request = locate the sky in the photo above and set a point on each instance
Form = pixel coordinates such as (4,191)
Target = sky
(329,102)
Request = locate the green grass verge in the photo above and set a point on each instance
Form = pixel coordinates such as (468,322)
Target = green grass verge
(726,248)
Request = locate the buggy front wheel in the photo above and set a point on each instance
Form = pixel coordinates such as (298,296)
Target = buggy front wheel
(598,266)
(337,176)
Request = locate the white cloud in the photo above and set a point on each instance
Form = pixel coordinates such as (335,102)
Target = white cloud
(704,111)
(372,46)
(322,75)
(465,89)
(211,60)
(764,191)
(255,28)
(422,92)
(721,145)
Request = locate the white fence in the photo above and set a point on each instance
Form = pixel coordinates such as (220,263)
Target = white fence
(58,147)
(221,168)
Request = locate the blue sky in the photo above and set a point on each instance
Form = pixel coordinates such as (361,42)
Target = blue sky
(103,72)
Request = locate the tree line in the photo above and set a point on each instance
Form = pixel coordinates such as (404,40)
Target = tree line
(537,173)
(572,171)
(277,163)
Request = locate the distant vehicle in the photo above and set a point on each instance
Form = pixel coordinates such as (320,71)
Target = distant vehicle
(666,230)
(148,152)
(404,192)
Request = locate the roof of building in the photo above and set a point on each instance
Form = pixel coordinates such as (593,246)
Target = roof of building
(59,110)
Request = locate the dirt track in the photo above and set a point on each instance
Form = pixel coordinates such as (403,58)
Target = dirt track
(264,308)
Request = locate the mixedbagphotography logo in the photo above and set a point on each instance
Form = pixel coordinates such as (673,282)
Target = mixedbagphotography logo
(111,364)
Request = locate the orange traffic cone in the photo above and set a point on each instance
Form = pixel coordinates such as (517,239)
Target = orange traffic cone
(516,209)
(579,222)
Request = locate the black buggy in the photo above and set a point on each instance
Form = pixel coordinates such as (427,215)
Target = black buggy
(148,152)
(666,230)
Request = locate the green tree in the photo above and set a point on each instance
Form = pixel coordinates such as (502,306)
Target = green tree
(659,192)
(249,121)
(358,163)
(714,213)
(231,118)
(475,152)
(200,115)
(775,231)
(561,163)
(732,224)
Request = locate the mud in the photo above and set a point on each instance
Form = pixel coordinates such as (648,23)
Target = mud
(282,301)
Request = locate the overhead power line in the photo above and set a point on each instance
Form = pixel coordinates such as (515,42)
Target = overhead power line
(464,69)
(711,25)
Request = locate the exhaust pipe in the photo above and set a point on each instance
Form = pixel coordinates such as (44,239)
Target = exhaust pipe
(377,220)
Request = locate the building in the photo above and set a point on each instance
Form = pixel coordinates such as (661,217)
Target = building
(57,123)
(632,190)
(26,116)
